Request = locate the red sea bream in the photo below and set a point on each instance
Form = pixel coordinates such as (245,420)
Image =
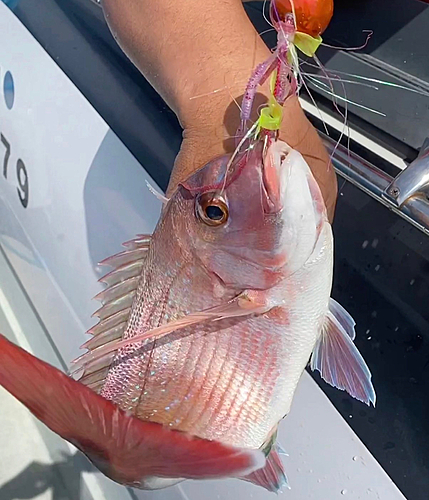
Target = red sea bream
(207,326)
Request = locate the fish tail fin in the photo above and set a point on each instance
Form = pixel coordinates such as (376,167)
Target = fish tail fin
(123,447)
(272,477)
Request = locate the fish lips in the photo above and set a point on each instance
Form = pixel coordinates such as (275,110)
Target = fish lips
(273,176)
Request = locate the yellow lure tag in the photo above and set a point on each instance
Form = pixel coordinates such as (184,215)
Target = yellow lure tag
(270,117)
(307,44)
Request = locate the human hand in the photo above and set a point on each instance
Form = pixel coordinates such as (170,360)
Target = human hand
(201,143)
(184,57)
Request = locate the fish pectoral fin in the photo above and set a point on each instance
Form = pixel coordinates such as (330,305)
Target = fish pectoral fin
(343,317)
(123,447)
(244,304)
(340,363)
(272,477)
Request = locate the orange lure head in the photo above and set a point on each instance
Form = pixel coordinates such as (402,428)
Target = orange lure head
(312,16)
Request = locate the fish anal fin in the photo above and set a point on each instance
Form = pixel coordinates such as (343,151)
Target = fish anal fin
(340,363)
(125,448)
(272,477)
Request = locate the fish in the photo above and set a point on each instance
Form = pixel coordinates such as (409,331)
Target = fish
(205,328)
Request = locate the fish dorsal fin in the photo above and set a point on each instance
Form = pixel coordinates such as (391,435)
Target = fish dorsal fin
(339,362)
(123,447)
(116,299)
(158,195)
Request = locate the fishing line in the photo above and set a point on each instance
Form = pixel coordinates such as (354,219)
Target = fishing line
(370,33)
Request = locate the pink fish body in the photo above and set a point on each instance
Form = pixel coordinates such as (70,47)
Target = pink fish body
(207,326)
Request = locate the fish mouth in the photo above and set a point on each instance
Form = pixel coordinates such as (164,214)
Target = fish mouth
(272,163)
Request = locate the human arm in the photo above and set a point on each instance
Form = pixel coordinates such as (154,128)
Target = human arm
(199,55)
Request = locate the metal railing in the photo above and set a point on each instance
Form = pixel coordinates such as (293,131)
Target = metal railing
(403,195)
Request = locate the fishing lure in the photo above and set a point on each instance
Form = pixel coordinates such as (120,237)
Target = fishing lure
(299,25)
(311,16)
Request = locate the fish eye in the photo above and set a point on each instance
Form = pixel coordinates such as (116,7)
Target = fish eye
(212,209)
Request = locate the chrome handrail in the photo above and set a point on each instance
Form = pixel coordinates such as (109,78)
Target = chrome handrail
(378,184)
(414,179)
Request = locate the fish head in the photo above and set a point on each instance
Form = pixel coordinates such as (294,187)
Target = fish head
(301,209)
(254,221)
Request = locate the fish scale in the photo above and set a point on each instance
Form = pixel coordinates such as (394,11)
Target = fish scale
(250,370)
(218,407)
(200,382)
(123,379)
(213,381)
(151,300)
(229,392)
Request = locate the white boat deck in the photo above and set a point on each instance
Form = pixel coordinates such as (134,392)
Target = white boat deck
(34,463)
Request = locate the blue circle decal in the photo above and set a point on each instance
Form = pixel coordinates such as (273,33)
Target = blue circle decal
(8,89)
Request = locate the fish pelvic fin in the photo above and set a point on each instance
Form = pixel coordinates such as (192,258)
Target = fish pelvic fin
(116,300)
(123,447)
(272,477)
(337,358)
